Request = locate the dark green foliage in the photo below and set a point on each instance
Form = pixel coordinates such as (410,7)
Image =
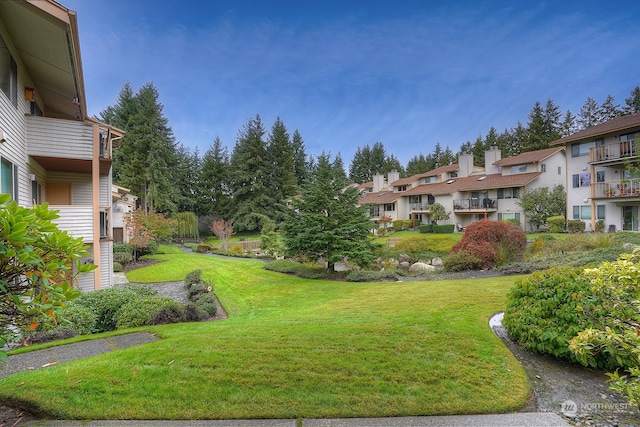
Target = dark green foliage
(121,248)
(627,237)
(327,223)
(150,249)
(556,224)
(105,303)
(78,318)
(139,311)
(38,337)
(192,313)
(576,226)
(297,269)
(600,226)
(443,229)
(117,267)
(372,276)
(207,303)
(186,225)
(568,259)
(193,277)
(168,314)
(426,228)
(542,203)
(461,261)
(545,311)
(195,290)
(122,257)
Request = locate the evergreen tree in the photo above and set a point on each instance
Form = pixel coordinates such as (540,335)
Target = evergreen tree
(569,125)
(417,165)
(300,166)
(326,222)
(393,164)
(338,167)
(609,110)
(589,114)
(280,156)
(147,159)
(215,180)
(249,176)
(536,128)
(551,121)
(632,103)
(188,175)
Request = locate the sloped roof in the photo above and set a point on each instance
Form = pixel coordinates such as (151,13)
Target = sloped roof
(619,124)
(380,197)
(497,180)
(365,185)
(529,157)
(436,189)
(434,172)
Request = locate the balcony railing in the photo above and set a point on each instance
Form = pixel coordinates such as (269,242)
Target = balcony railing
(614,152)
(421,207)
(611,189)
(475,204)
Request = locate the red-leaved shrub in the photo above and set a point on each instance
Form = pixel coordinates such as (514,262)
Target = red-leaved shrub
(493,242)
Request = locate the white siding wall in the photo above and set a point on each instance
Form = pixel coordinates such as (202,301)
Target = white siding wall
(81,190)
(76,220)
(106,264)
(45,136)
(551,177)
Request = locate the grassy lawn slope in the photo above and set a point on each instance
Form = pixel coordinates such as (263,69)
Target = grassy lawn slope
(297,348)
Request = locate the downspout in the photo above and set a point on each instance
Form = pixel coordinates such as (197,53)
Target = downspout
(95,187)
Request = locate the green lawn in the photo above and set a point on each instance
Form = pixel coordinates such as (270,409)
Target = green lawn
(296,348)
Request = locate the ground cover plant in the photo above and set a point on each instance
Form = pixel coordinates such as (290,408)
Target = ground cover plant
(296,348)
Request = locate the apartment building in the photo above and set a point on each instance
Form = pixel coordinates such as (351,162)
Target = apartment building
(50,150)
(468,192)
(602,182)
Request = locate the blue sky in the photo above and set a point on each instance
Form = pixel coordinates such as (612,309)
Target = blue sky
(409,74)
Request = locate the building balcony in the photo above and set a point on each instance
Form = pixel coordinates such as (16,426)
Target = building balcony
(419,207)
(475,205)
(621,189)
(66,145)
(614,153)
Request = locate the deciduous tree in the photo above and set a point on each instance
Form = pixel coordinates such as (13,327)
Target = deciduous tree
(539,204)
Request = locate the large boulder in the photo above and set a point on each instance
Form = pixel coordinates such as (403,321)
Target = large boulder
(437,262)
(422,267)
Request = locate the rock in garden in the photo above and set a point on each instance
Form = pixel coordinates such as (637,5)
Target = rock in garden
(422,267)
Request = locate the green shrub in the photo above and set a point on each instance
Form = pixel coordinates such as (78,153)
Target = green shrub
(236,250)
(117,267)
(556,224)
(622,237)
(77,318)
(122,257)
(576,226)
(283,266)
(203,248)
(195,290)
(168,314)
(371,276)
(121,248)
(192,313)
(207,303)
(543,311)
(461,261)
(513,221)
(600,226)
(402,224)
(193,277)
(444,228)
(138,312)
(105,303)
(426,228)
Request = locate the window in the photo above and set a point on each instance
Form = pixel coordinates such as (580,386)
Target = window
(582,148)
(518,169)
(576,180)
(389,206)
(559,170)
(8,74)
(104,224)
(508,193)
(584,212)
(503,216)
(429,179)
(543,167)
(402,188)
(585,179)
(7,178)
(415,199)
(600,176)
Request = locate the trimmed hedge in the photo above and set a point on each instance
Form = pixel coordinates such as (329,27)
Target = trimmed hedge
(556,224)
(444,228)
(576,226)
(426,228)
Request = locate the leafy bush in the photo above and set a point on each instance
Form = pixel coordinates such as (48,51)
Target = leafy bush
(78,318)
(140,311)
(195,290)
(402,224)
(203,248)
(576,226)
(193,277)
(192,313)
(461,261)
(426,228)
(626,237)
(150,249)
(444,228)
(168,314)
(600,226)
(544,311)
(236,250)
(556,224)
(105,303)
(371,276)
(117,267)
(207,303)
(121,248)
(37,337)
(493,242)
